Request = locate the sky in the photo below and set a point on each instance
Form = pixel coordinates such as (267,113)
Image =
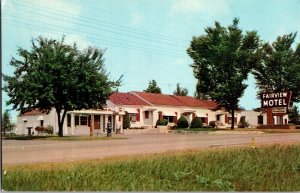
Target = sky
(143,39)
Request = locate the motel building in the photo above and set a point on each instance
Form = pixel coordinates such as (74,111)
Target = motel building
(144,109)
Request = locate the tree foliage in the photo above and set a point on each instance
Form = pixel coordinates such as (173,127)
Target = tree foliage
(294,116)
(153,88)
(280,67)
(180,91)
(182,122)
(223,57)
(126,121)
(53,74)
(196,123)
(6,123)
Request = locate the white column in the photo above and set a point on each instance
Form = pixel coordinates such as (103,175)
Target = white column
(92,124)
(72,123)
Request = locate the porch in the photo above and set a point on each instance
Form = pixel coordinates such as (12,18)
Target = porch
(93,122)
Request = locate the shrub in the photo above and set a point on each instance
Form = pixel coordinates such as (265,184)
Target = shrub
(213,124)
(162,122)
(126,121)
(196,123)
(49,129)
(182,122)
(243,123)
(39,129)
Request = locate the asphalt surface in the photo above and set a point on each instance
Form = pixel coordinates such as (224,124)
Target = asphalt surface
(33,151)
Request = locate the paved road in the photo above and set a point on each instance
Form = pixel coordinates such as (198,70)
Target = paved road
(20,152)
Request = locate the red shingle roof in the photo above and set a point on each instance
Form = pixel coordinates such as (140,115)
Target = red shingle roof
(119,98)
(173,100)
(34,112)
(141,98)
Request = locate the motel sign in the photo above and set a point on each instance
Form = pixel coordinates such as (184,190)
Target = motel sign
(276,99)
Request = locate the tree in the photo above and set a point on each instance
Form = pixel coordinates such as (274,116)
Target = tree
(279,69)
(180,91)
(53,74)
(6,123)
(294,115)
(126,121)
(223,57)
(153,88)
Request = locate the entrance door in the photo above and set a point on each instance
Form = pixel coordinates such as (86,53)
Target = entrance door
(96,121)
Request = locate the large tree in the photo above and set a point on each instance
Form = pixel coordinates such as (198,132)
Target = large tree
(280,67)
(6,123)
(180,91)
(153,88)
(223,57)
(53,74)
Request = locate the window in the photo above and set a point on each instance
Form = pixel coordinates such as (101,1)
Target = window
(68,120)
(146,114)
(83,120)
(260,120)
(42,123)
(132,117)
(229,120)
(76,120)
(170,119)
(203,119)
(218,117)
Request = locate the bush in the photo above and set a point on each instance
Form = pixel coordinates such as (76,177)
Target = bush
(49,129)
(196,123)
(39,129)
(162,122)
(243,123)
(213,124)
(126,121)
(182,122)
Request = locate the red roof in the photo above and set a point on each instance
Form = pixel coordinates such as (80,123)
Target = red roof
(34,112)
(119,98)
(141,98)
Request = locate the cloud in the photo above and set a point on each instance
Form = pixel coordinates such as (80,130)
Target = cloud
(67,7)
(136,19)
(210,7)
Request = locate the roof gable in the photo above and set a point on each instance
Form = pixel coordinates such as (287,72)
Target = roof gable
(119,98)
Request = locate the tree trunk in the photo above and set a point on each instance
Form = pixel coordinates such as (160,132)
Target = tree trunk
(60,121)
(232,119)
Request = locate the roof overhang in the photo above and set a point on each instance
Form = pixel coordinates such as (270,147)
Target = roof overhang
(168,113)
(91,112)
(188,111)
(131,110)
(201,115)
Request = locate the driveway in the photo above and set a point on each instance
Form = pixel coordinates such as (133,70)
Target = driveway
(21,152)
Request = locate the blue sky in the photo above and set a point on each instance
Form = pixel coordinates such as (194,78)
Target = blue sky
(144,39)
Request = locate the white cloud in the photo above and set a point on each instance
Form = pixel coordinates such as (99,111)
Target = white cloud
(67,7)
(136,19)
(81,41)
(210,7)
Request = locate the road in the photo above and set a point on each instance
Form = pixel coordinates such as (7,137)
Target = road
(26,152)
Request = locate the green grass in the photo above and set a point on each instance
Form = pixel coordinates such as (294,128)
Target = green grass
(269,168)
(65,138)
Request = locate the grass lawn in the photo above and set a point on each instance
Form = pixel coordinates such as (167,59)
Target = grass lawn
(65,138)
(267,168)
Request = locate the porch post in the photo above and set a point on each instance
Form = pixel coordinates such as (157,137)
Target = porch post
(72,123)
(92,125)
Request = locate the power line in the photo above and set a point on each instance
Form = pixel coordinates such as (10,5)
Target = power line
(97,40)
(110,25)
(126,41)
